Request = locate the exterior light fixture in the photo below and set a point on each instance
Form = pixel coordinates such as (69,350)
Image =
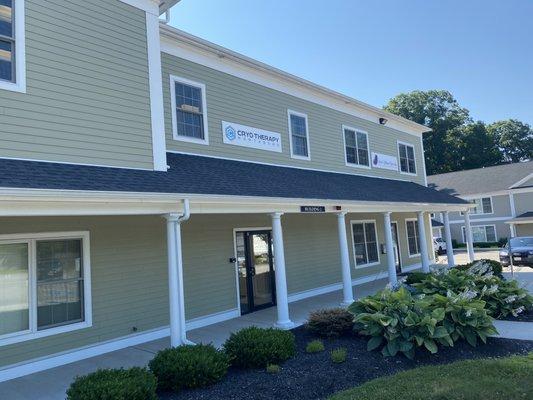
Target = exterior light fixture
(382,121)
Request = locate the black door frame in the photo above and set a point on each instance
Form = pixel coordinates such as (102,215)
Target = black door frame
(248,254)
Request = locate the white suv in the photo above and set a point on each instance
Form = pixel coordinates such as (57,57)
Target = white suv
(440,245)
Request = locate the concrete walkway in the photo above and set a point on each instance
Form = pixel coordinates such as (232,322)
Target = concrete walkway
(52,384)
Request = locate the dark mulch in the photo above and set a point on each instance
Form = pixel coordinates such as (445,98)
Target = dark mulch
(314,376)
(526,316)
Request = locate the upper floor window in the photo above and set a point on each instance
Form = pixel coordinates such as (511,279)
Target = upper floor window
(12,45)
(299,135)
(7,41)
(356,147)
(407,158)
(365,243)
(189,110)
(481,206)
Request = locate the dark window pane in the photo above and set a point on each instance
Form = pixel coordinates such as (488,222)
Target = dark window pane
(491,234)
(412,168)
(487,206)
(403,164)
(59,282)
(299,136)
(6,18)
(403,151)
(6,60)
(189,110)
(363,157)
(349,137)
(351,156)
(362,141)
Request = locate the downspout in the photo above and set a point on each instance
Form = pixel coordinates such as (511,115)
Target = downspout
(179,258)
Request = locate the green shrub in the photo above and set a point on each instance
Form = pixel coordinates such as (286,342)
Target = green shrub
(189,367)
(273,369)
(314,346)
(490,266)
(257,347)
(338,356)
(114,384)
(398,321)
(331,322)
(415,277)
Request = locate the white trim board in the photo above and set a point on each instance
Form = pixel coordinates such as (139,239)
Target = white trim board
(475,220)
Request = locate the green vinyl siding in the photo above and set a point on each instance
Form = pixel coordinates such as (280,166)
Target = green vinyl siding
(87,97)
(239,101)
(129,269)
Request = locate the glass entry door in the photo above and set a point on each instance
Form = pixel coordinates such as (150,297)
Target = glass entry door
(256,270)
(396,246)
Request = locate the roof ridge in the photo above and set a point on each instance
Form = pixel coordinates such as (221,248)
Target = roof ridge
(483,168)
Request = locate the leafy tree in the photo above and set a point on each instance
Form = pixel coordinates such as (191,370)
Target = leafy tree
(438,110)
(461,142)
(514,138)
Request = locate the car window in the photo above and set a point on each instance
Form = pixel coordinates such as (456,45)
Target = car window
(522,242)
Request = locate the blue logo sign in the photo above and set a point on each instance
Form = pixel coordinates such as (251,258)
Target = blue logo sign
(230,133)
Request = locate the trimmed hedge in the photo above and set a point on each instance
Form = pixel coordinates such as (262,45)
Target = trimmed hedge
(331,322)
(114,384)
(257,347)
(189,367)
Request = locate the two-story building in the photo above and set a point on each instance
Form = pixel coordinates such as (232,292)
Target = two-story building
(152,182)
(501,197)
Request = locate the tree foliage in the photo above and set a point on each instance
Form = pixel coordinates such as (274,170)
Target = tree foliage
(456,142)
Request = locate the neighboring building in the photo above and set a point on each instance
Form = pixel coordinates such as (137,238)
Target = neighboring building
(152,182)
(502,198)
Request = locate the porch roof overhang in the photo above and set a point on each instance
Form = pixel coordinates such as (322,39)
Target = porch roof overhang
(212,185)
(525,218)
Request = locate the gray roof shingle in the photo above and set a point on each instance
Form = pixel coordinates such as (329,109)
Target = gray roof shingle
(481,180)
(204,175)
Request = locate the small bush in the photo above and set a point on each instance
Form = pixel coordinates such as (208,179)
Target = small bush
(315,346)
(273,368)
(257,347)
(189,367)
(114,384)
(492,266)
(415,277)
(332,322)
(339,355)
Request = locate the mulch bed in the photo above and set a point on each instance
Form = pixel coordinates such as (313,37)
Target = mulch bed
(314,376)
(526,316)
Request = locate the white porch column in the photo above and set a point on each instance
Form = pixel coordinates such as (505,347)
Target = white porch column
(345,261)
(423,241)
(178,334)
(512,227)
(282,301)
(468,234)
(448,238)
(391,263)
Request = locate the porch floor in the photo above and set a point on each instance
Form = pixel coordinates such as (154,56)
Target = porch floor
(52,384)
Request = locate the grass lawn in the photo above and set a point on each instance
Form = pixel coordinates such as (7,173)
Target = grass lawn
(504,378)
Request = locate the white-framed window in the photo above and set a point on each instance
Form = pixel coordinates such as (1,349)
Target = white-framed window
(299,135)
(356,148)
(45,285)
(482,233)
(12,46)
(365,243)
(189,110)
(406,154)
(481,206)
(413,240)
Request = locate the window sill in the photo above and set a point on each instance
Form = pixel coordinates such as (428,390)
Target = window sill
(357,166)
(414,255)
(408,173)
(25,336)
(361,266)
(13,87)
(191,140)
(296,157)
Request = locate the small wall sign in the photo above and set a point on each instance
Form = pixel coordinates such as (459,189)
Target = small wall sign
(312,209)
(384,161)
(247,136)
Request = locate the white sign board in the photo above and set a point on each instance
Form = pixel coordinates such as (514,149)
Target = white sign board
(384,161)
(246,136)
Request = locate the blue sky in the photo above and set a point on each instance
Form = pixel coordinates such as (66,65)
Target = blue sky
(480,50)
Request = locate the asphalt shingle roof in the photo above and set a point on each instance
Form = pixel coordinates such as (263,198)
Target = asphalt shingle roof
(204,175)
(481,180)
(528,214)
